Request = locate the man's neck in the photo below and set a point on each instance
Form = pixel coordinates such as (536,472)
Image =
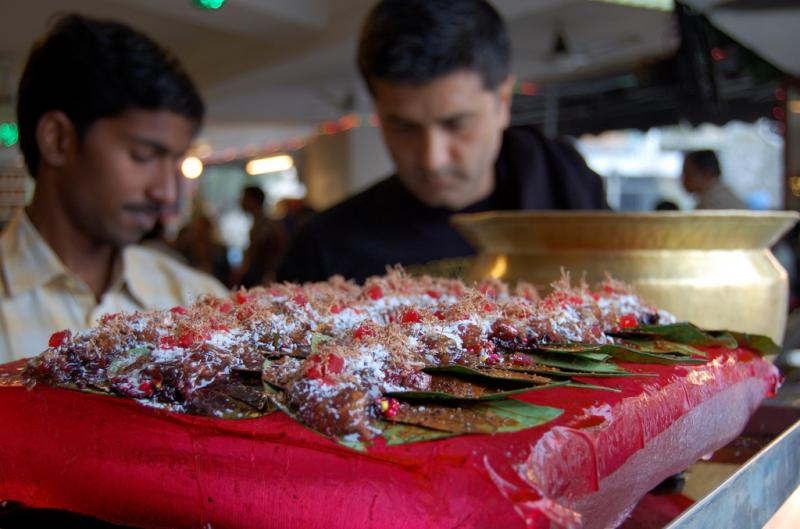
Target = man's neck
(84,257)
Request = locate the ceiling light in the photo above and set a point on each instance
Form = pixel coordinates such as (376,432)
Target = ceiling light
(272,164)
(658,5)
(192,167)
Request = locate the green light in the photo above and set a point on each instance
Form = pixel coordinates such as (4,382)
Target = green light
(209,4)
(9,134)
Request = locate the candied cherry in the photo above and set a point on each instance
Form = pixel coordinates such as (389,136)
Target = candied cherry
(57,339)
(389,407)
(362,331)
(375,293)
(242,297)
(411,316)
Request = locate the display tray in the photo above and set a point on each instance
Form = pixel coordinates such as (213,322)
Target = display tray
(119,461)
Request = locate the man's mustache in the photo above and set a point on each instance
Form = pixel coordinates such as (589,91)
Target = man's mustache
(151,208)
(451,172)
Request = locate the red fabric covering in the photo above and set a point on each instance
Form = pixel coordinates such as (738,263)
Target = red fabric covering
(120,461)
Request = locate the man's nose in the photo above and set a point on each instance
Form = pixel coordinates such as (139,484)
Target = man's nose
(165,185)
(434,153)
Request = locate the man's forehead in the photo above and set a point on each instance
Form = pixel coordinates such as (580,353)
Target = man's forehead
(164,127)
(447,97)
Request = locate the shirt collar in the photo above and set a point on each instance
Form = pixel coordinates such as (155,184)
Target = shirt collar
(27,261)
(134,263)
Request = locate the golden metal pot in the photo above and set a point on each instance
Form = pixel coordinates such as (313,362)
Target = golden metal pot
(713,268)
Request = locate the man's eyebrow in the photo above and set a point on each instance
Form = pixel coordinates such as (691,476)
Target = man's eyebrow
(440,119)
(157,146)
(455,117)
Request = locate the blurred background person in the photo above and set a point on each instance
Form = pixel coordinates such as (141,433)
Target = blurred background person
(666,205)
(104,115)
(197,243)
(701,177)
(267,241)
(293,213)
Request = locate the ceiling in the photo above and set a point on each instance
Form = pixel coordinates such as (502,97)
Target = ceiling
(276,68)
(273,69)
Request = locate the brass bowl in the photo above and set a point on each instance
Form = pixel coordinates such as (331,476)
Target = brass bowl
(713,268)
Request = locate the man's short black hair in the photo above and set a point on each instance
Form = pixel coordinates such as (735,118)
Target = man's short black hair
(417,41)
(705,161)
(92,69)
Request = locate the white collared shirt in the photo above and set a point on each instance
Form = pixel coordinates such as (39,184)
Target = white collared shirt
(39,295)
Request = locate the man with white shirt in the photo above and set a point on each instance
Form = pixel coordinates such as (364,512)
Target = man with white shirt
(105,115)
(701,177)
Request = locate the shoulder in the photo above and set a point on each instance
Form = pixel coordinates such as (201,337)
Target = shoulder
(367,202)
(154,275)
(362,210)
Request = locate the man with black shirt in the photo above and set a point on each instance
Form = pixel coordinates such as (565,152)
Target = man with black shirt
(439,73)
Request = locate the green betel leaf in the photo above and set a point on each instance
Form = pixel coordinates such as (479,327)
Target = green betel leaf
(628,354)
(400,434)
(491,374)
(446,388)
(526,415)
(682,332)
(592,386)
(587,351)
(762,345)
(487,417)
(318,339)
(123,362)
(484,396)
(659,346)
(575,363)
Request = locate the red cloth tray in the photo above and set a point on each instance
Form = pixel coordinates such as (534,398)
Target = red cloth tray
(117,460)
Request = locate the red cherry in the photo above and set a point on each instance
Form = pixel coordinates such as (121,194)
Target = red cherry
(628,321)
(225,308)
(388,407)
(336,309)
(334,364)
(241,297)
(439,314)
(434,294)
(411,316)
(108,317)
(362,331)
(57,339)
(178,310)
(300,299)
(519,359)
(375,292)
(493,359)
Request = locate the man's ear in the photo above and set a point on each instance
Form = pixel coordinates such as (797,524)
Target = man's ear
(56,137)
(505,94)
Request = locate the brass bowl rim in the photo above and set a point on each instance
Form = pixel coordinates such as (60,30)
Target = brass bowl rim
(579,230)
(706,214)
